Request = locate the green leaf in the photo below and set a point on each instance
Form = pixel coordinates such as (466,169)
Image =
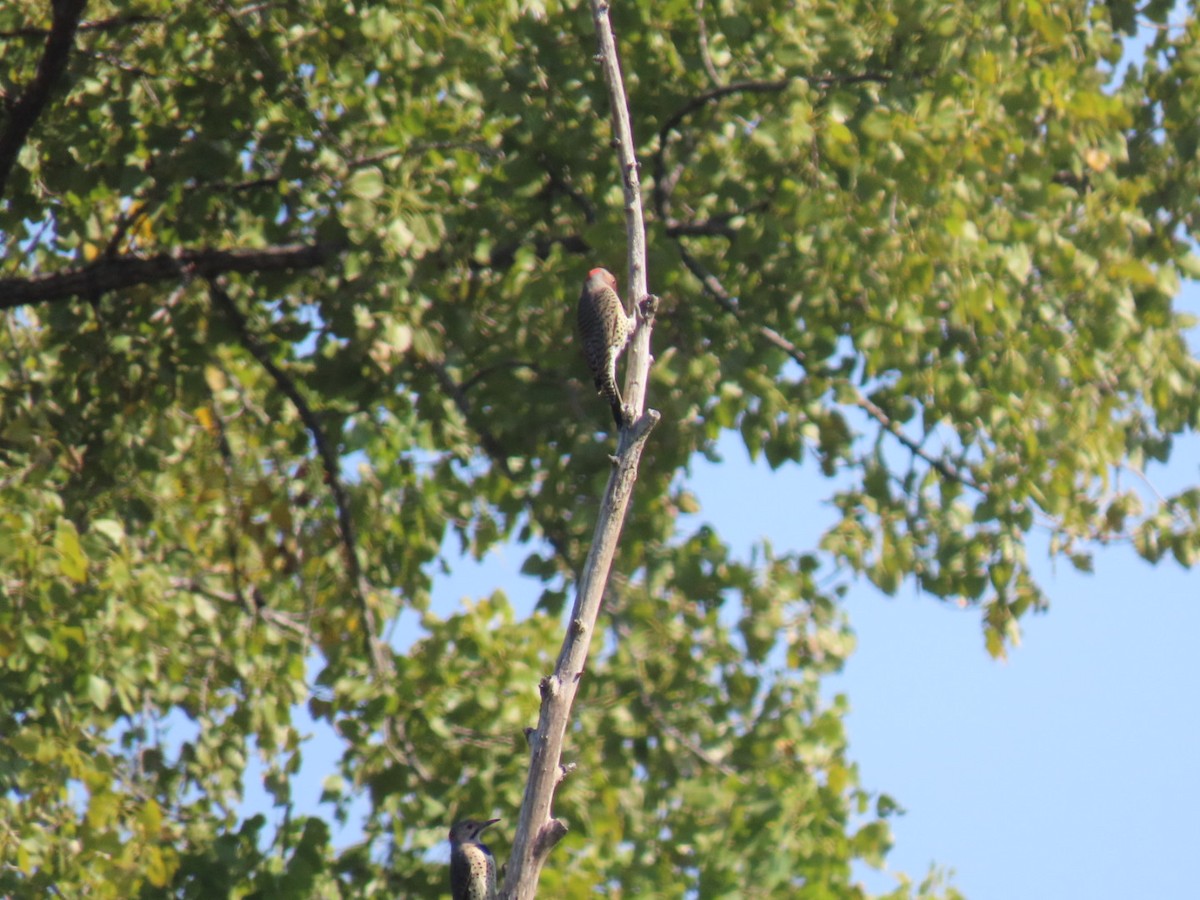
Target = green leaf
(99,691)
(72,561)
(366,184)
(111,529)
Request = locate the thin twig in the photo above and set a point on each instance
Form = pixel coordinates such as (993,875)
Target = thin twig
(665,725)
(32,245)
(944,467)
(234,512)
(715,226)
(774,86)
(496,367)
(702,39)
(329,460)
(125,223)
(493,447)
(716,290)
(710,96)
(505,254)
(664,184)
(110,24)
(561,185)
(487,440)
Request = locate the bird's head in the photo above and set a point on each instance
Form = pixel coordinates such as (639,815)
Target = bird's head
(469,829)
(598,279)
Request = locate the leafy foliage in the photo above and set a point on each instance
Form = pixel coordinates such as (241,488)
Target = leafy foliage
(929,249)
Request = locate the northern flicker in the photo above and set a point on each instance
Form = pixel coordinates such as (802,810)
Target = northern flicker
(604,330)
(472,866)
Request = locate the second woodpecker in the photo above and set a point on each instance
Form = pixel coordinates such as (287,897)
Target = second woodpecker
(472,867)
(604,330)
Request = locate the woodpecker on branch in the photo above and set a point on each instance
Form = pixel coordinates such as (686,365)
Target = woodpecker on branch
(472,866)
(604,330)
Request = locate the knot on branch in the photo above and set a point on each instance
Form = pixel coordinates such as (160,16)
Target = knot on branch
(641,428)
(549,835)
(549,687)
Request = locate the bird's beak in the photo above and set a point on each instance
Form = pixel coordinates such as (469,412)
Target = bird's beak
(488,824)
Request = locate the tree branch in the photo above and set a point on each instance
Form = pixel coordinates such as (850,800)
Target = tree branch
(505,254)
(554,533)
(124,272)
(396,738)
(330,462)
(558,183)
(487,440)
(23,114)
(637,365)
(761,87)
(665,725)
(943,467)
(714,226)
(664,185)
(537,831)
(713,287)
(702,41)
(110,24)
(233,501)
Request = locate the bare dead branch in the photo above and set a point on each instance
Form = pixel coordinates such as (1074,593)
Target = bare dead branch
(537,830)
(122,272)
(22,114)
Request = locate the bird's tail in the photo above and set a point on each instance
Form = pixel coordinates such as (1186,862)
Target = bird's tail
(610,390)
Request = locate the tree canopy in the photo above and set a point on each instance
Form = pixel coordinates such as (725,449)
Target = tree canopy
(288,293)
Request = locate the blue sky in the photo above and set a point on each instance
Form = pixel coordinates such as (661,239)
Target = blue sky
(1068,771)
